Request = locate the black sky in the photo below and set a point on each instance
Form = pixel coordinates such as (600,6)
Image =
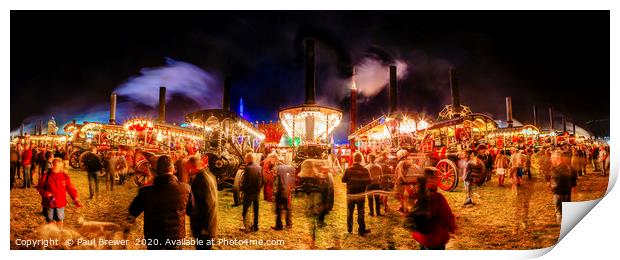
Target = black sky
(74,59)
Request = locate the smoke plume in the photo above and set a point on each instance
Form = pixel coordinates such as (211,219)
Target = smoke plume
(372,75)
(179,78)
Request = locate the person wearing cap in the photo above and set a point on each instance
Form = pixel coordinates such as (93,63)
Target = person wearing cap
(433,227)
(357,179)
(165,204)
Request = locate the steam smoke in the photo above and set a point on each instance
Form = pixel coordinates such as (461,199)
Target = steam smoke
(372,75)
(179,78)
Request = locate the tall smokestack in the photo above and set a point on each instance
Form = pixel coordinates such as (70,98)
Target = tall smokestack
(21,130)
(40,127)
(74,122)
(309,80)
(226,96)
(353,111)
(509,111)
(162,105)
(564,122)
(113,108)
(535,116)
(574,129)
(393,89)
(551,129)
(454,89)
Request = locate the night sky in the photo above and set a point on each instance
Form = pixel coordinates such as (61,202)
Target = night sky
(64,63)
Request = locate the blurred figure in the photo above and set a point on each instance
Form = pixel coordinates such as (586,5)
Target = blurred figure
(204,216)
(595,156)
(522,195)
(575,164)
(284,180)
(53,188)
(26,165)
(527,164)
(14,163)
(474,172)
(165,204)
(431,220)
(373,189)
(111,171)
(357,179)
(121,167)
(399,180)
(251,185)
(93,167)
(386,179)
(516,167)
(563,181)
(501,167)
(20,151)
(602,160)
(544,162)
(268,176)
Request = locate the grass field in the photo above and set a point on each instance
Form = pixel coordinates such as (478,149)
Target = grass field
(499,220)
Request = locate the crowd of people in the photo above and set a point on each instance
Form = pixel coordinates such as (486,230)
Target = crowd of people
(174,194)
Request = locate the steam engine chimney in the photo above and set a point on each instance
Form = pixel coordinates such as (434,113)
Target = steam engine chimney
(564,122)
(162,105)
(226,95)
(309,80)
(535,116)
(393,89)
(21,130)
(574,129)
(113,108)
(454,89)
(509,111)
(551,129)
(353,111)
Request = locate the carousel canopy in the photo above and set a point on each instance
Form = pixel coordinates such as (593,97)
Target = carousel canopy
(311,122)
(475,120)
(211,119)
(380,128)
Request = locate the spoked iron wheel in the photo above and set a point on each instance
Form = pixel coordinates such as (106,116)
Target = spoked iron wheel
(74,159)
(143,173)
(447,174)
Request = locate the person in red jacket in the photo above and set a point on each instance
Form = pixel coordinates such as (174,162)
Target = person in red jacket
(440,223)
(268,176)
(53,187)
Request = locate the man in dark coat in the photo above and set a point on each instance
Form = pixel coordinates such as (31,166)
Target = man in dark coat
(563,180)
(251,186)
(204,216)
(357,179)
(93,167)
(284,179)
(165,204)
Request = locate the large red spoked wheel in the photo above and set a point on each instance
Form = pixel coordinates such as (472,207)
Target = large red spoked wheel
(447,175)
(143,173)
